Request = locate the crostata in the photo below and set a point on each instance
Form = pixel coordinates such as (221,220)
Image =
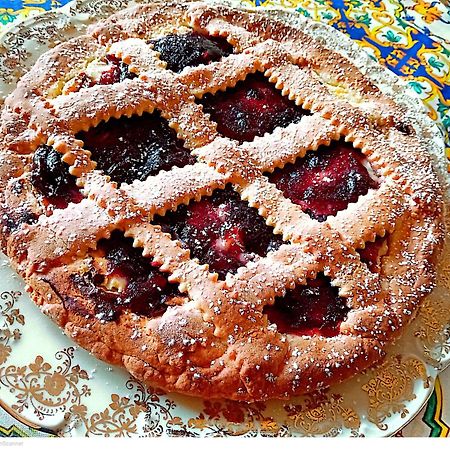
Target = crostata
(214,200)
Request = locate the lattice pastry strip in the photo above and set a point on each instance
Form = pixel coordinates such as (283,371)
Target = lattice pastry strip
(315,96)
(290,143)
(301,47)
(286,218)
(369,216)
(137,55)
(65,233)
(157,91)
(209,295)
(220,337)
(168,190)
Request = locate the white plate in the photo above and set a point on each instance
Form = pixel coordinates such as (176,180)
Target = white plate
(49,383)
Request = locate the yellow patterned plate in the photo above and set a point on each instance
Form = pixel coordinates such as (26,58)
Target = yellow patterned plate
(50,384)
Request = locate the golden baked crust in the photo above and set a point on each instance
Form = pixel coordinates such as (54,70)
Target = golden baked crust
(219,343)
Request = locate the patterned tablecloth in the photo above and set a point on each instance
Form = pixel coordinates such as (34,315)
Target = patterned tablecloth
(411,38)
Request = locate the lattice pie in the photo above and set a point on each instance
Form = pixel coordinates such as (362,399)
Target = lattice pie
(215,201)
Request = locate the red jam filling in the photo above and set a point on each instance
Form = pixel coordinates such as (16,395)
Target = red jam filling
(147,291)
(314,309)
(370,254)
(135,148)
(190,50)
(325,181)
(221,231)
(252,108)
(50,177)
(116,73)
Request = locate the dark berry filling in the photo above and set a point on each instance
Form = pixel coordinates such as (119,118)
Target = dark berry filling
(222,231)
(252,108)
(134,148)
(147,292)
(309,310)
(325,181)
(50,177)
(373,251)
(191,49)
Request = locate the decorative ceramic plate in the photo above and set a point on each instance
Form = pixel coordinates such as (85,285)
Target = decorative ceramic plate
(52,386)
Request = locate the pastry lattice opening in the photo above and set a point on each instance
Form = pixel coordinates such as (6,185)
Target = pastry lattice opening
(312,309)
(221,230)
(326,180)
(373,252)
(108,70)
(117,279)
(252,108)
(136,147)
(191,49)
(51,178)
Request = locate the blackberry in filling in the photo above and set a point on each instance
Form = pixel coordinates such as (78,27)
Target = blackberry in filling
(222,231)
(325,181)
(50,177)
(117,72)
(190,49)
(309,310)
(129,282)
(135,148)
(252,108)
